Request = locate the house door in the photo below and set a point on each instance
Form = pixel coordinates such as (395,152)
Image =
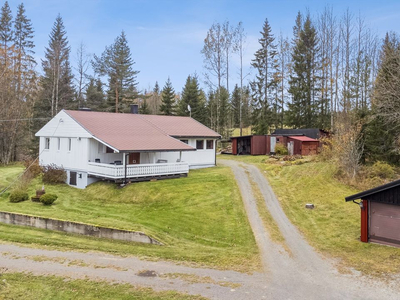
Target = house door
(134,158)
(72,178)
(290,147)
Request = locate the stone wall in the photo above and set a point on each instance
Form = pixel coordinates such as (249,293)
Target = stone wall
(78,228)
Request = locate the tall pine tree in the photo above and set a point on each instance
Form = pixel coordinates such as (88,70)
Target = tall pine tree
(58,92)
(192,95)
(117,64)
(265,83)
(168,99)
(304,79)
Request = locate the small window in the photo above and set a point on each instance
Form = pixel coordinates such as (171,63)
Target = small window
(69,144)
(47,143)
(72,178)
(210,144)
(109,150)
(199,144)
(59,144)
(185,141)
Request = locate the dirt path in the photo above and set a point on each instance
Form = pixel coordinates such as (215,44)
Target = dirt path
(303,275)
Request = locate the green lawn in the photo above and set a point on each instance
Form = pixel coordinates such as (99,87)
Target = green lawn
(200,219)
(22,286)
(8,174)
(333,227)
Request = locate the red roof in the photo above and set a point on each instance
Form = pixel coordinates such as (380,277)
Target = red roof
(303,138)
(181,126)
(134,132)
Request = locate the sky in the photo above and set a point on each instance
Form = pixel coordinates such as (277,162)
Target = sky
(166,37)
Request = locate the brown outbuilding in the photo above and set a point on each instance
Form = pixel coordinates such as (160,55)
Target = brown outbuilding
(302,145)
(380,214)
(249,145)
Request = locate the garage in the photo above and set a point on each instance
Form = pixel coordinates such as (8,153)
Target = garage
(380,214)
(302,145)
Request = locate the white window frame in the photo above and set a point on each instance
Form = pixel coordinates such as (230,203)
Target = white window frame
(46,143)
(69,144)
(213,146)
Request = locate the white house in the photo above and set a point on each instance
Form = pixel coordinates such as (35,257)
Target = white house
(92,146)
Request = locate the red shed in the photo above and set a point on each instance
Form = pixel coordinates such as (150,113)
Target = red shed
(302,145)
(380,214)
(250,145)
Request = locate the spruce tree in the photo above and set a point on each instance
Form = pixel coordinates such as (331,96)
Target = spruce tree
(58,92)
(224,112)
(264,84)
(95,95)
(236,106)
(192,95)
(23,40)
(6,35)
(117,64)
(168,99)
(144,109)
(304,80)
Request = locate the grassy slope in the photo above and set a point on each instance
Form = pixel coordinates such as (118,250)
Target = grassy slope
(200,218)
(23,286)
(8,174)
(333,227)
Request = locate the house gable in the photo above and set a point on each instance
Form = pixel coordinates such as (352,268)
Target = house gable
(62,125)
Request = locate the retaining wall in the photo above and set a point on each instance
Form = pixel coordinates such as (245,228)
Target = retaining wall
(78,228)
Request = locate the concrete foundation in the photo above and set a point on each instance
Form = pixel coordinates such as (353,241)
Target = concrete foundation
(78,228)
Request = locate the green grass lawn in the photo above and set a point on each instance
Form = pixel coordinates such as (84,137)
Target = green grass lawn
(23,286)
(200,218)
(333,227)
(8,174)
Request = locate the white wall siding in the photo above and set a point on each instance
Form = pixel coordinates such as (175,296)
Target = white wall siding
(200,157)
(76,159)
(104,157)
(62,125)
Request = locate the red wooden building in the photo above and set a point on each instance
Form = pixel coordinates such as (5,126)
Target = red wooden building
(380,214)
(249,145)
(302,145)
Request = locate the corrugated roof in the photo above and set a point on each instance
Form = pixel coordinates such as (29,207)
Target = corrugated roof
(128,132)
(372,194)
(181,126)
(303,138)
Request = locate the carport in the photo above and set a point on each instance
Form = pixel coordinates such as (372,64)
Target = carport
(249,145)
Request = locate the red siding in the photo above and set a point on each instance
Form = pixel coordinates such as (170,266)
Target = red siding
(364,222)
(258,145)
(234,146)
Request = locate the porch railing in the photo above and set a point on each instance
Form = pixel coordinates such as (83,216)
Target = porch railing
(140,170)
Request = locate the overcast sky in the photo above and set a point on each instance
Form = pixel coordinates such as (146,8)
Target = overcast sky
(166,37)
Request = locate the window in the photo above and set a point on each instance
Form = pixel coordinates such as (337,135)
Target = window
(72,178)
(109,150)
(69,144)
(185,141)
(59,143)
(199,144)
(210,144)
(47,143)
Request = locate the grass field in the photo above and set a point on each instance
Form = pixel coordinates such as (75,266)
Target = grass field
(333,227)
(200,219)
(23,286)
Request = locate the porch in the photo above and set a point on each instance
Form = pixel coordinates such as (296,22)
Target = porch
(116,171)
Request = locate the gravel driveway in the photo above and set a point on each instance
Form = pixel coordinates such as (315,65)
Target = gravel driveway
(302,275)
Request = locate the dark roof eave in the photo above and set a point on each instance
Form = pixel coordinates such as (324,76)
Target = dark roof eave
(373,191)
(195,137)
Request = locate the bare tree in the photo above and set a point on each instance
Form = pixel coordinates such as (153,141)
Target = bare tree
(82,66)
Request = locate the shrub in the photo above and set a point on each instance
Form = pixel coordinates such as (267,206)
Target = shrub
(382,170)
(48,199)
(32,167)
(54,174)
(281,149)
(18,196)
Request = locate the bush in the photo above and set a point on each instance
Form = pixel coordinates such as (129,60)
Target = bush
(34,168)
(18,196)
(54,174)
(48,199)
(280,149)
(382,170)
